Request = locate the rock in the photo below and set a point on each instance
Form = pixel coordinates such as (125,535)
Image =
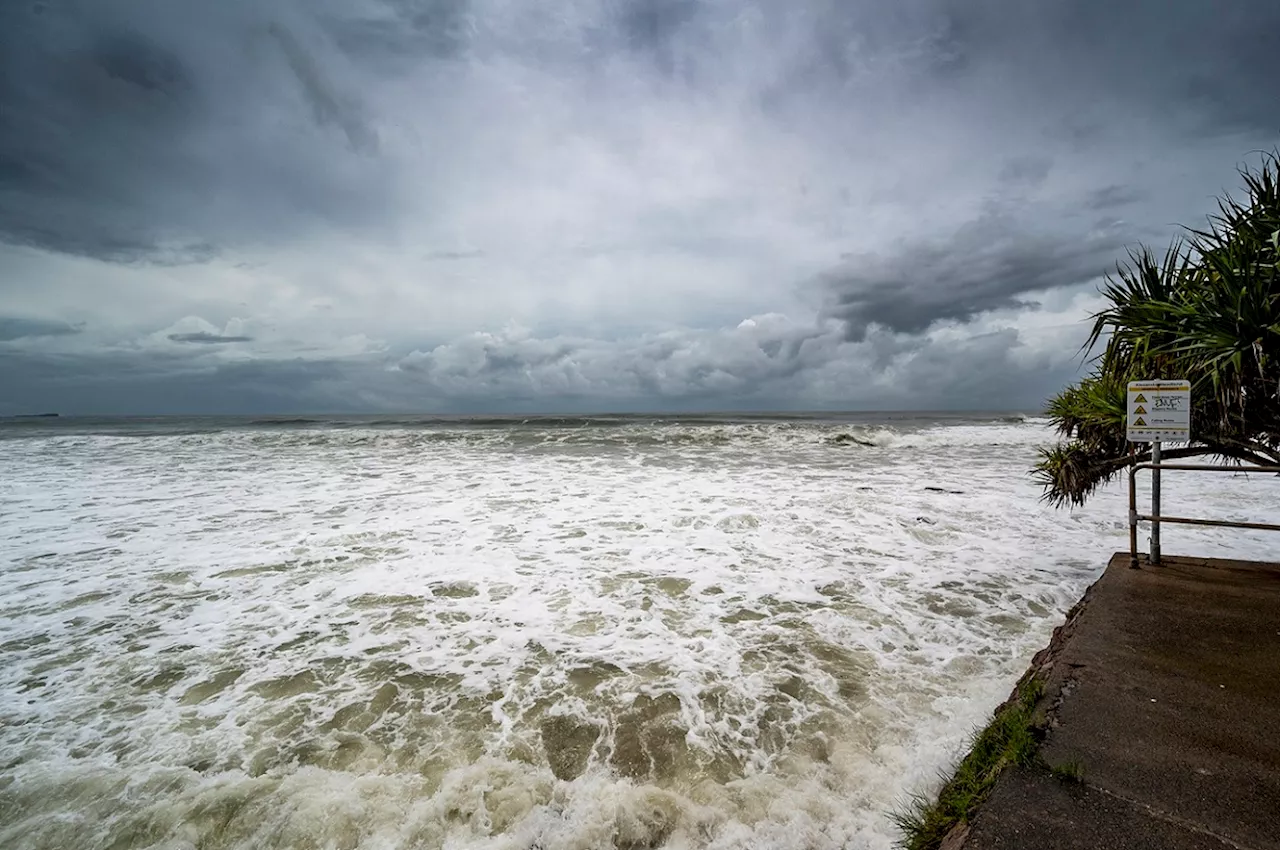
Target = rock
(568,743)
(955,838)
(851,440)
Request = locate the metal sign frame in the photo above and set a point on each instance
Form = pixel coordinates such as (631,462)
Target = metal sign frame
(1158,411)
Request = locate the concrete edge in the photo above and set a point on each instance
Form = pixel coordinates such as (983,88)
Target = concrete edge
(1057,682)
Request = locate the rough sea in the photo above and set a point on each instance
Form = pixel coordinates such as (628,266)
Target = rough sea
(554,633)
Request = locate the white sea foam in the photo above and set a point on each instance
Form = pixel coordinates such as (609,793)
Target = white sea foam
(684,635)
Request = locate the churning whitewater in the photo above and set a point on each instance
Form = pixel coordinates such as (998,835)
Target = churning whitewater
(626,633)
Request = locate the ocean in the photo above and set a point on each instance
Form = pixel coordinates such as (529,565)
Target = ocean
(549,632)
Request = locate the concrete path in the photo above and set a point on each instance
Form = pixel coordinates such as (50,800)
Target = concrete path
(1164,691)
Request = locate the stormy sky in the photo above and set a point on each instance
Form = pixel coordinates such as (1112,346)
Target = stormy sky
(489,205)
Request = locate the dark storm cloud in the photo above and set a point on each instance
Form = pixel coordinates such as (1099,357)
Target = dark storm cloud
(356,176)
(142,64)
(120,119)
(113,383)
(1208,59)
(404,32)
(988,264)
(206,338)
(1203,61)
(1197,68)
(135,130)
(14,328)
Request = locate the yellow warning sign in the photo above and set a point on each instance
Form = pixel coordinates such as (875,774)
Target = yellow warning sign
(1158,411)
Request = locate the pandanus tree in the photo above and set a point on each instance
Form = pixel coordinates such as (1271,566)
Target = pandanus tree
(1208,312)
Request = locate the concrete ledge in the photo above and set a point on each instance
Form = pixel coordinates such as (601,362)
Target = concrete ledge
(1162,688)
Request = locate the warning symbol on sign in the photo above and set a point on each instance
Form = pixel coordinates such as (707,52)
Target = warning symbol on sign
(1140,410)
(1140,422)
(1141,399)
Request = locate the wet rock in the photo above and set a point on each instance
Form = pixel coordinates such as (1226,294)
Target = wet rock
(161,680)
(383,700)
(568,742)
(592,676)
(743,615)
(666,744)
(455,590)
(212,687)
(674,587)
(793,686)
(283,687)
(647,742)
(851,440)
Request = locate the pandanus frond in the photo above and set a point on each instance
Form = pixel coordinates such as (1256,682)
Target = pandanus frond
(1207,311)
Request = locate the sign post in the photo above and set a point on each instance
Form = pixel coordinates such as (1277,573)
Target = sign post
(1157,411)
(1155,503)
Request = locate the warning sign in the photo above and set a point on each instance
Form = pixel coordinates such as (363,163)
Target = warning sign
(1159,411)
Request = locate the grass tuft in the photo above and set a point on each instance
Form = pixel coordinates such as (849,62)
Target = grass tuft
(1011,738)
(1072,771)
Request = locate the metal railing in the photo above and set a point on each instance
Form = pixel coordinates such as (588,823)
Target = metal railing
(1155,518)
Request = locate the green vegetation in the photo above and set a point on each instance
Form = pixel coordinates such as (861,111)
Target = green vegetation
(1011,738)
(1072,771)
(1208,312)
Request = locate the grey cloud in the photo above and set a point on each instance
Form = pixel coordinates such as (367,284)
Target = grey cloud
(1203,60)
(987,264)
(1204,55)
(140,63)
(328,106)
(652,27)
(394,35)
(1026,170)
(1113,197)
(760,359)
(120,120)
(206,338)
(140,131)
(652,170)
(445,256)
(121,383)
(766,362)
(12,328)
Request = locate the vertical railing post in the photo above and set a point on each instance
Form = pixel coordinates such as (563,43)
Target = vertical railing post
(1133,515)
(1155,503)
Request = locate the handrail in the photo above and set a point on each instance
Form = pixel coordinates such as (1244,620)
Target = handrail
(1155,518)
